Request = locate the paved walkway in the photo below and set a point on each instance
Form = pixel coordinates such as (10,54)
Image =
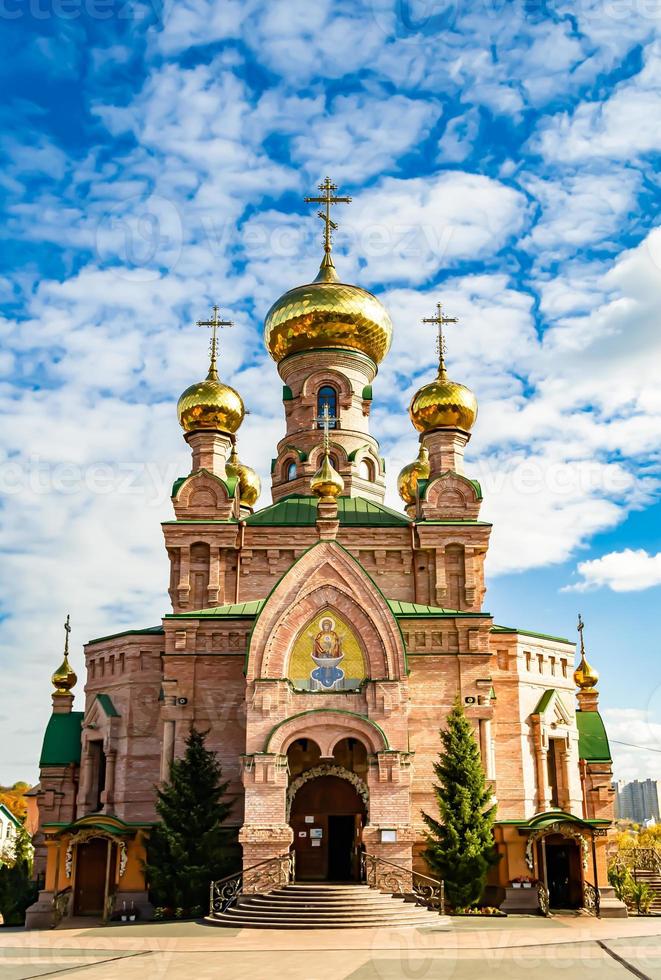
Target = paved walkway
(516,948)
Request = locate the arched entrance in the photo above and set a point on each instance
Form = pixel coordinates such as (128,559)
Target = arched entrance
(562,856)
(327,817)
(94,860)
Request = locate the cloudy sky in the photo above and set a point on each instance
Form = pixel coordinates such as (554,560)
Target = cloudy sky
(502,157)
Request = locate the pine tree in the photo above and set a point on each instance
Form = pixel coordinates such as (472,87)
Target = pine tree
(189,847)
(460,845)
(17,889)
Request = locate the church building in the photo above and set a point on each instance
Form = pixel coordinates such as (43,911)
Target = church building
(321,639)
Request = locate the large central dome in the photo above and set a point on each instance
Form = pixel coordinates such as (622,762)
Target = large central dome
(327,313)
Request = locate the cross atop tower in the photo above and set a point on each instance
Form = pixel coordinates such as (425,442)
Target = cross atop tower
(324,421)
(328,199)
(67,630)
(440,320)
(214,323)
(580,628)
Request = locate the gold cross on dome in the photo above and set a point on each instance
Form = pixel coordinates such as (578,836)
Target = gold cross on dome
(580,628)
(440,320)
(325,421)
(328,199)
(214,323)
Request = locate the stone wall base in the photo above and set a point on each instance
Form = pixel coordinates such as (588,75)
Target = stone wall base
(41,914)
(521,901)
(611,907)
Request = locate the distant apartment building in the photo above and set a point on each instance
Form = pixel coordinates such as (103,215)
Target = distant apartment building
(638,800)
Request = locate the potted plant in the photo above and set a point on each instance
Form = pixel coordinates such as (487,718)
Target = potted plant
(124,912)
(132,912)
(523,881)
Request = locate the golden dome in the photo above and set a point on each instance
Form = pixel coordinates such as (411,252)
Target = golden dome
(326,482)
(250,485)
(328,313)
(407,481)
(585,676)
(443,404)
(210,404)
(64,677)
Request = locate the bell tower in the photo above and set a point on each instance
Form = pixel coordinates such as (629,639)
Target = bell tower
(328,338)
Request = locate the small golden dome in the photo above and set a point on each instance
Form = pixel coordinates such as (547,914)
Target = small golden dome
(250,485)
(328,313)
(407,481)
(210,404)
(64,677)
(585,676)
(326,482)
(443,404)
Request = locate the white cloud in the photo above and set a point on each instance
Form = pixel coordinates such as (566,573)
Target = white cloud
(629,570)
(640,758)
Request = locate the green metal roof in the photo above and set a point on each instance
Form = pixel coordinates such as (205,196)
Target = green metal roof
(298,511)
(416,609)
(537,636)
(592,738)
(148,631)
(106,703)
(247,610)
(10,816)
(61,745)
(544,702)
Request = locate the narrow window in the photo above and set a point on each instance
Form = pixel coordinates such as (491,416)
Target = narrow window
(365,470)
(291,471)
(327,398)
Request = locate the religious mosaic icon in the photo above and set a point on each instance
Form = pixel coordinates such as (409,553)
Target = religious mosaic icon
(327,657)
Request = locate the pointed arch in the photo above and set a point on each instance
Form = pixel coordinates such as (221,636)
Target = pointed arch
(326,576)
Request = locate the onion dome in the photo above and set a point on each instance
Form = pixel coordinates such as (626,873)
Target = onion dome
(443,404)
(250,485)
(407,481)
(326,314)
(326,482)
(64,677)
(585,676)
(210,404)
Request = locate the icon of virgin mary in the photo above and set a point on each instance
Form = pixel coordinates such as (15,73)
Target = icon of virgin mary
(327,654)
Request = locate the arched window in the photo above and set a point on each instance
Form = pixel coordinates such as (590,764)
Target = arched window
(365,470)
(327,398)
(334,462)
(291,470)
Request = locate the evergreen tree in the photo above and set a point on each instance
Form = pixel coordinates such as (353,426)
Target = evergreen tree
(460,845)
(17,889)
(189,847)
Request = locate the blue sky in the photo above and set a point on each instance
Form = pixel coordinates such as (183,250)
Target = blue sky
(502,158)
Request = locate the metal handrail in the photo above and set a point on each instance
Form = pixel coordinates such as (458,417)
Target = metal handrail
(426,891)
(543,898)
(591,899)
(266,875)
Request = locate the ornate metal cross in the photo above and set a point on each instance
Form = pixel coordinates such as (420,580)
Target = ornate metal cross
(214,323)
(328,199)
(325,421)
(440,320)
(580,628)
(67,630)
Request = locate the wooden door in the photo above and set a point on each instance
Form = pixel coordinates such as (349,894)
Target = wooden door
(90,882)
(316,805)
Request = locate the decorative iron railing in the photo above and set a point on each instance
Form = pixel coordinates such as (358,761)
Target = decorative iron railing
(259,879)
(543,898)
(388,877)
(591,900)
(61,905)
(641,859)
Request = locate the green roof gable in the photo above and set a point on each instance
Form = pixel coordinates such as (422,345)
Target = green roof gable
(106,703)
(10,816)
(148,631)
(298,511)
(592,738)
(536,636)
(61,744)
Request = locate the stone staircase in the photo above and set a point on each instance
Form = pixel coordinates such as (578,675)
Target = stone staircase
(653,879)
(325,906)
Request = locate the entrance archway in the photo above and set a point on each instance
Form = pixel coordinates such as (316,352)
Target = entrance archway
(563,871)
(327,818)
(94,858)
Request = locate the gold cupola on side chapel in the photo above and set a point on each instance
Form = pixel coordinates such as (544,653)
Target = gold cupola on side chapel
(443,412)
(328,338)
(64,678)
(210,413)
(586,677)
